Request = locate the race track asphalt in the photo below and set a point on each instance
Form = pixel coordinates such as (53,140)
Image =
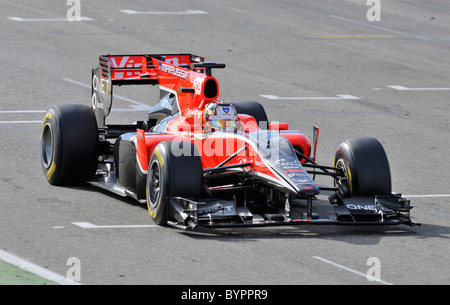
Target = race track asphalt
(308,62)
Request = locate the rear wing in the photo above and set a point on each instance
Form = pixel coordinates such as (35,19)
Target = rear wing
(138,70)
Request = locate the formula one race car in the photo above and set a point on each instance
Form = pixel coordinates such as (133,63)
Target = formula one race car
(200,161)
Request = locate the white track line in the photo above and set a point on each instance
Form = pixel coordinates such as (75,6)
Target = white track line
(136,107)
(186,12)
(427,196)
(337,97)
(20,19)
(139,106)
(402,88)
(87,225)
(35,269)
(369,25)
(21,111)
(351,270)
(21,122)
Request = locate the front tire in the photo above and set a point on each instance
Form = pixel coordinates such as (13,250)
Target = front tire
(366,168)
(69,143)
(172,175)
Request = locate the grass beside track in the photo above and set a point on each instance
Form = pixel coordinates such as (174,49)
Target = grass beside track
(12,275)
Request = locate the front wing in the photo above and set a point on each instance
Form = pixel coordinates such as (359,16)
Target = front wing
(216,213)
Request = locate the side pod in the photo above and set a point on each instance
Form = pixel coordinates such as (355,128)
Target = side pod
(142,164)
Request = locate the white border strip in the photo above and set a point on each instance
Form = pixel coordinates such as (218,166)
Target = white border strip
(351,270)
(35,269)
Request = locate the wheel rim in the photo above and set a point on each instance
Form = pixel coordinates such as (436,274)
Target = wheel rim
(343,182)
(47,145)
(154,188)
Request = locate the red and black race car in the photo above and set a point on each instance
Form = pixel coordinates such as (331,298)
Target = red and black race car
(196,160)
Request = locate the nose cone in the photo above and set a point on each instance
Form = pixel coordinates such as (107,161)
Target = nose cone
(280,157)
(297,177)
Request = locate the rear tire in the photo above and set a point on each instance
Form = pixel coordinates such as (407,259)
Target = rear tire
(69,143)
(366,167)
(255,110)
(170,175)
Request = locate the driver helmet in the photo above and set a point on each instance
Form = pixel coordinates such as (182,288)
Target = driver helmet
(219,115)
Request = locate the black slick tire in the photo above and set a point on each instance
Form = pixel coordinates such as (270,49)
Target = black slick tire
(172,175)
(255,110)
(366,167)
(69,144)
